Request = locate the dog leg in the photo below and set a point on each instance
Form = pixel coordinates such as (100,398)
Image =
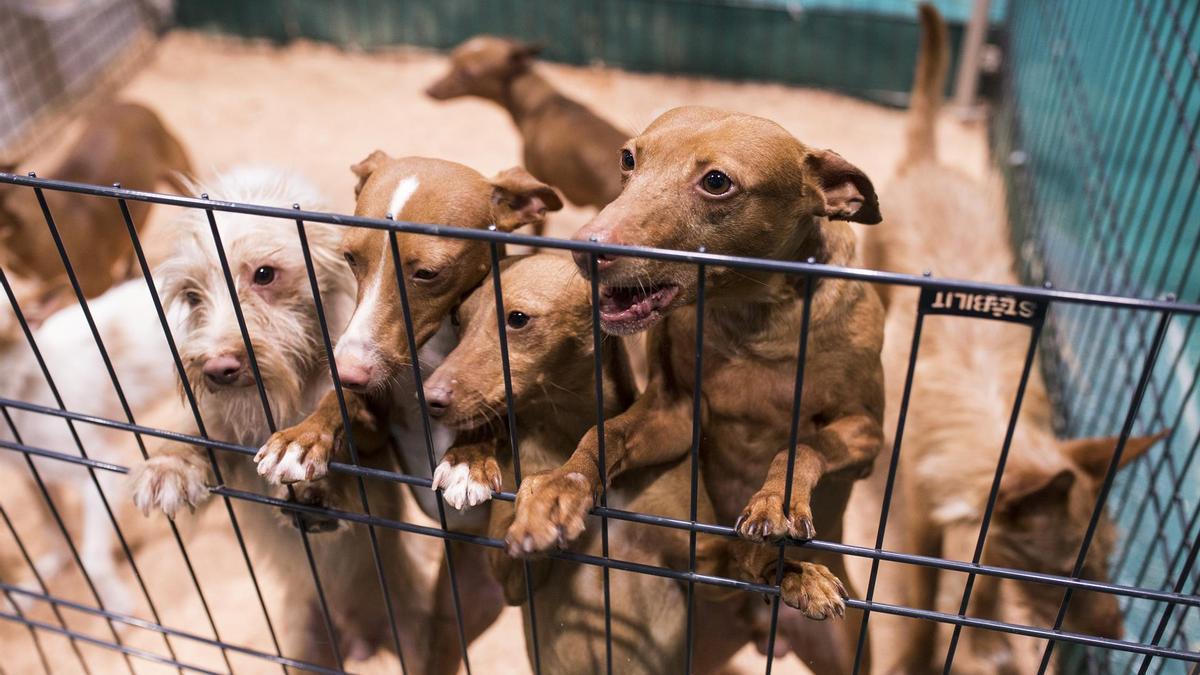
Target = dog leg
(764,517)
(468,474)
(481,605)
(921,636)
(551,505)
(96,553)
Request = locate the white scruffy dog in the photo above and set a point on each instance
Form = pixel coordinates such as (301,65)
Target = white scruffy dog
(273,288)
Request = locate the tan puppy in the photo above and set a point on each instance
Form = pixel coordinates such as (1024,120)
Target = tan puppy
(941,219)
(740,185)
(273,288)
(566,144)
(373,356)
(122,142)
(549,333)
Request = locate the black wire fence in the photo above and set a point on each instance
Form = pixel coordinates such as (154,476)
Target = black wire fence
(1163,602)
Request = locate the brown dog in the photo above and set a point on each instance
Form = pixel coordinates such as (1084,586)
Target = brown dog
(940,218)
(566,144)
(549,335)
(122,142)
(739,185)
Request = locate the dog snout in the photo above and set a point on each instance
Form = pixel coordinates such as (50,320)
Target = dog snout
(226,370)
(597,235)
(354,375)
(438,398)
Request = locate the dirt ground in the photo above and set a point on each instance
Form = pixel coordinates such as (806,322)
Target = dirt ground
(317,110)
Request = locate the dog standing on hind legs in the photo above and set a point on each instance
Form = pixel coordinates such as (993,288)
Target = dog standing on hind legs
(738,185)
(941,219)
(273,288)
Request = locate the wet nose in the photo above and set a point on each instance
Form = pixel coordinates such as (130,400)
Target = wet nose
(437,399)
(354,376)
(583,258)
(224,369)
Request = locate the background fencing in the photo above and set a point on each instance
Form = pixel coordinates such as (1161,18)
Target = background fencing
(1096,133)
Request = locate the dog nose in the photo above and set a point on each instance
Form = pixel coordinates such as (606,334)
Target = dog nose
(354,376)
(583,258)
(224,369)
(437,399)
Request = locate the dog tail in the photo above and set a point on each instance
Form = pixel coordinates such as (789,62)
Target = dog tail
(933,60)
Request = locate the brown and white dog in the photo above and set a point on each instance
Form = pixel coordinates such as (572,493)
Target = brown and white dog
(374,362)
(566,145)
(741,185)
(122,142)
(941,219)
(273,288)
(549,336)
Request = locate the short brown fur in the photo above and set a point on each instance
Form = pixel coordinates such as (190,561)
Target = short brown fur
(566,145)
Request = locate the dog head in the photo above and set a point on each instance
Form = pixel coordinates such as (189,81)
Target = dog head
(1042,513)
(547,324)
(272,286)
(483,66)
(731,183)
(438,272)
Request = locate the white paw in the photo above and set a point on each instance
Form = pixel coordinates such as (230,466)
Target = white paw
(168,484)
(458,488)
(288,466)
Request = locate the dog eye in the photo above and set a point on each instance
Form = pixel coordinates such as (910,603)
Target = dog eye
(517,320)
(716,183)
(627,162)
(264,275)
(192,298)
(349,258)
(425,274)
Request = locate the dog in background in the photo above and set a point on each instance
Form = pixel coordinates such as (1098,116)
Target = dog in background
(943,220)
(121,142)
(737,185)
(132,334)
(273,288)
(566,145)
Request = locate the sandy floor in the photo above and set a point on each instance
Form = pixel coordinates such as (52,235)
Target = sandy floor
(318,110)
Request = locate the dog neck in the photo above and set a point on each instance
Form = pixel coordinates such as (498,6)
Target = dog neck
(526,95)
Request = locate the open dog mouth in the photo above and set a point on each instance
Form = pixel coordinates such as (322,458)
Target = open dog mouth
(629,309)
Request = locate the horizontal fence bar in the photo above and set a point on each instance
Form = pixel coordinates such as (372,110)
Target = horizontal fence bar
(686,257)
(620,514)
(159,628)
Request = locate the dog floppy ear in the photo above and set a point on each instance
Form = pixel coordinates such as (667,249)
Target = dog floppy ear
(520,199)
(523,53)
(368,166)
(1095,454)
(1026,491)
(846,192)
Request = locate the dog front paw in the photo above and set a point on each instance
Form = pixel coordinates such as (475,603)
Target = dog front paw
(300,453)
(550,511)
(467,481)
(763,518)
(814,590)
(168,483)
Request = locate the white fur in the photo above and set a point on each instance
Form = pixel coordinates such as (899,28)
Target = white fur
(132,336)
(458,488)
(405,189)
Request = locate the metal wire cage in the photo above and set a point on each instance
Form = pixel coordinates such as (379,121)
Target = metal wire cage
(1167,606)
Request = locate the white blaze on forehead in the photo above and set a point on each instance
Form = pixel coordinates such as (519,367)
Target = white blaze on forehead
(357,343)
(404,192)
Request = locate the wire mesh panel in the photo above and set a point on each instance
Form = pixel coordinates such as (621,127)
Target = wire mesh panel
(55,54)
(1161,607)
(1098,132)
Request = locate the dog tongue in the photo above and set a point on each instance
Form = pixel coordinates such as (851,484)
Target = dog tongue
(630,303)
